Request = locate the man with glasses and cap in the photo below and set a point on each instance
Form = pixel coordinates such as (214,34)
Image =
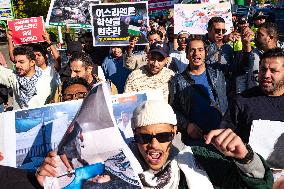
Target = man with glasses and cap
(166,163)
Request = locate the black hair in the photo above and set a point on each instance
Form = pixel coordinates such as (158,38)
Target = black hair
(75,80)
(24,50)
(152,32)
(195,38)
(37,47)
(84,57)
(213,20)
(272,53)
(272,29)
(87,35)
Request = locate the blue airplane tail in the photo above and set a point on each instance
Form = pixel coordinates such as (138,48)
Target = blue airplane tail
(84,173)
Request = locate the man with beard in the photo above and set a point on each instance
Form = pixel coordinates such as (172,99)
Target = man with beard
(266,38)
(167,163)
(30,87)
(198,95)
(154,75)
(263,102)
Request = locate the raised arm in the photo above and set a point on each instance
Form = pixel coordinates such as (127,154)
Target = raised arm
(54,52)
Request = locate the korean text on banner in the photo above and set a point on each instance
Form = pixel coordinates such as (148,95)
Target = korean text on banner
(115,24)
(27,30)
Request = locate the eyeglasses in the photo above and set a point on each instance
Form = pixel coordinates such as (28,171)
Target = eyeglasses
(79,95)
(147,138)
(219,31)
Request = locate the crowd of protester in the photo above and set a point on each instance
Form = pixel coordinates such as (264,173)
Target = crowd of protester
(213,87)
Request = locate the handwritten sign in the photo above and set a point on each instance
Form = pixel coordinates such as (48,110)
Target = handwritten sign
(194,18)
(27,30)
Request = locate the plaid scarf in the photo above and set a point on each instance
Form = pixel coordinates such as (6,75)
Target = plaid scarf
(27,87)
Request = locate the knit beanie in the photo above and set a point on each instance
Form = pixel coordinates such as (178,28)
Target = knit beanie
(153,112)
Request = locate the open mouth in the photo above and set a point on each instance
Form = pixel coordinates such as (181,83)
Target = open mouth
(154,157)
(196,59)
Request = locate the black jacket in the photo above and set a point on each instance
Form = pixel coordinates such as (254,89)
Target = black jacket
(13,178)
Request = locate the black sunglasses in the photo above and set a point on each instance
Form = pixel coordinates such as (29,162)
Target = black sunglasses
(218,31)
(147,138)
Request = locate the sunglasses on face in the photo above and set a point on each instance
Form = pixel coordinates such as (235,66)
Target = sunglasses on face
(147,138)
(219,31)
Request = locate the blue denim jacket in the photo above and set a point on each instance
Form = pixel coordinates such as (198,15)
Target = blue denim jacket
(181,90)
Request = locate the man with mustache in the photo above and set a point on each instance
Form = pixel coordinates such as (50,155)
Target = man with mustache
(167,163)
(263,102)
(266,38)
(30,87)
(154,75)
(198,95)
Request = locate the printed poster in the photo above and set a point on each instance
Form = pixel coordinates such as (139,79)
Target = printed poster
(194,18)
(39,131)
(86,139)
(116,24)
(27,30)
(74,13)
(90,139)
(6,14)
(156,5)
(5,4)
(123,107)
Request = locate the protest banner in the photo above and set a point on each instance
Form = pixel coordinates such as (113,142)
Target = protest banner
(27,30)
(115,24)
(6,14)
(267,139)
(194,18)
(123,107)
(5,4)
(84,136)
(155,5)
(74,13)
(36,132)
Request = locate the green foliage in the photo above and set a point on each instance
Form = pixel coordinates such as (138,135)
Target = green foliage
(31,8)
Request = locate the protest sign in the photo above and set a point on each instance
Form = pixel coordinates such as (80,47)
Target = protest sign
(155,5)
(5,4)
(84,136)
(27,30)
(91,138)
(115,24)
(74,13)
(6,14)
(267,139)
(194,18)
(123,107)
